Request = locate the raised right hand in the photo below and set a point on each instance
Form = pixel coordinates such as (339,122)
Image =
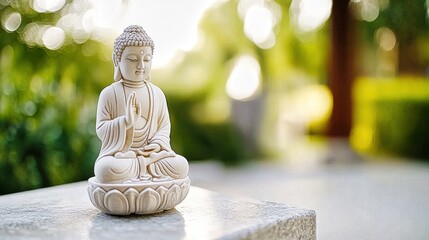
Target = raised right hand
(132,111)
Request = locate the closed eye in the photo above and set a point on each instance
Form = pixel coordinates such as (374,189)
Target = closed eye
(132,59)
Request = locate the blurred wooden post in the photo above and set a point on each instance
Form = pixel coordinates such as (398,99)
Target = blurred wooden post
(341,69)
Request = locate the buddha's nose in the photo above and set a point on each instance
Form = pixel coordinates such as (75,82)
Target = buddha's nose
(140,65)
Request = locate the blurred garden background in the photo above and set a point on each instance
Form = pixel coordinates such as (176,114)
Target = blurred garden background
(245,80)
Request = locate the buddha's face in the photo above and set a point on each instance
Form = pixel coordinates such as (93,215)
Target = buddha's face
(136,63)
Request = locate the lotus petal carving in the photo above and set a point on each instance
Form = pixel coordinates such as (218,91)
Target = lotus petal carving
(148,201)
(135,198)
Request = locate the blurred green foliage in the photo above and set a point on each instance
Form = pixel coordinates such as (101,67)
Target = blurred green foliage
(201,141)
(391,105)
(409,22)
(48,98)
(392,117)
(48,104)
(407,19)
(402,128)
(47,107)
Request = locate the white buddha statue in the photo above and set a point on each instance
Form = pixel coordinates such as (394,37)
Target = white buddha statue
(132,119)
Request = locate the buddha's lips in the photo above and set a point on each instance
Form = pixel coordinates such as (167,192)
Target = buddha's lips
(140,72)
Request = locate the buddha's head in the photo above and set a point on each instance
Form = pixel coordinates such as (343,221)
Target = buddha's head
(132,55)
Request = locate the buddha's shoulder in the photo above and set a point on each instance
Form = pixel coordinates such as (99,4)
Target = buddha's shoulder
(109,90)
(155,88)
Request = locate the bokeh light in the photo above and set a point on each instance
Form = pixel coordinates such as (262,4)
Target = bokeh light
(260,17)
(244,80)
(309,15)
(53,38)
(258,24)
(385,38)
(30,34)
(42,6)
(366,10)
(97,20)
(309,104)
(11,21)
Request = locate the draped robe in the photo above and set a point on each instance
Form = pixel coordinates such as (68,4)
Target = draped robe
(111,128)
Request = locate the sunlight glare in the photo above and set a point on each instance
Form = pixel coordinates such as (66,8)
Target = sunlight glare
(53,38)
(105,14)
(172,24)
(245,78)
(42,6)
(310,15)
(269,42)
(11,22)
(175,30)
(315,101)
(304,107)
(88,20)
(258,24)
(260,17)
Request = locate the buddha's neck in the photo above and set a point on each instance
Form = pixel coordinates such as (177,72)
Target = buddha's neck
(133,84)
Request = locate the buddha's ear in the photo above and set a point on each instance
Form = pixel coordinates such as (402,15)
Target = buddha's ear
(117,75)
(115,63)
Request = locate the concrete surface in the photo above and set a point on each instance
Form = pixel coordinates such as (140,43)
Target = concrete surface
(372,199)
(65,212)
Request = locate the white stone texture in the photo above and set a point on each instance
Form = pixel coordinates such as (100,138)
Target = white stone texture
(65,212)
(137,197)
(136,170)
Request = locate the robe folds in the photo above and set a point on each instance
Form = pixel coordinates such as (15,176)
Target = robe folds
(116,138)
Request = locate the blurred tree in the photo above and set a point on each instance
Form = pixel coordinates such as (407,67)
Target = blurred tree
(409,22)
(47,103)
(341,69)
(408,19)
(195,88)
(291,62)
(48,100)
(392,105)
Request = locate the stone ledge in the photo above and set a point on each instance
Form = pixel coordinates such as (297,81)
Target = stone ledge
(66,212)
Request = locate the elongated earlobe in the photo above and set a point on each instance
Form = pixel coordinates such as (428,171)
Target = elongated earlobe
(117,75)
